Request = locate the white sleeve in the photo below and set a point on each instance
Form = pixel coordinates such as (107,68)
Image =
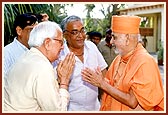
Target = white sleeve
(7,62)
(101,61)
(95,57)
(47,92)
(65,97)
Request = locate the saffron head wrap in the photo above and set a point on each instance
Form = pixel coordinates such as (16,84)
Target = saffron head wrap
(125,24)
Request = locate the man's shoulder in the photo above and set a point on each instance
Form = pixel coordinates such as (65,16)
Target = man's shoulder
(9,47)
(12,44)
(90,44)
(101,44)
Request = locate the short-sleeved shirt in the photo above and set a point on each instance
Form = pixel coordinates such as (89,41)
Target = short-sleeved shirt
(84,96)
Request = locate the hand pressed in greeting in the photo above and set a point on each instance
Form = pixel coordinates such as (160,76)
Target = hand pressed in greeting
(93,77)
(65,69)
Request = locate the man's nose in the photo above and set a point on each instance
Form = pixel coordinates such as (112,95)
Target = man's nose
(112,41)
(79,34)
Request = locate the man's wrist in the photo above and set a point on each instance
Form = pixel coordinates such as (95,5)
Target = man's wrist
(64,85)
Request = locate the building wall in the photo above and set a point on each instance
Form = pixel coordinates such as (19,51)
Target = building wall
(157,11)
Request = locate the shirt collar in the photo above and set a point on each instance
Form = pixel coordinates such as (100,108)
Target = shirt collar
(32,49)
(20,44)
(66,49)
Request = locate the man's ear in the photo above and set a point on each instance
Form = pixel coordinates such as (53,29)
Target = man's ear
(18,30)
(47,43)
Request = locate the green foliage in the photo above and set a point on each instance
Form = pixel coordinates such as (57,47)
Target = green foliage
(12,10)
(89,8)
(160,51)
(56,13)
(100,25)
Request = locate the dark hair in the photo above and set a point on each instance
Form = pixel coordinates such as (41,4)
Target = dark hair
(24,20)
(108,31)
(95,33)
(39,17)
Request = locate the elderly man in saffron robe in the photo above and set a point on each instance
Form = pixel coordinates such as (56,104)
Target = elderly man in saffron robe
(133,80)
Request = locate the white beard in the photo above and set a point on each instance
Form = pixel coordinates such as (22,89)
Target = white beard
(116,51)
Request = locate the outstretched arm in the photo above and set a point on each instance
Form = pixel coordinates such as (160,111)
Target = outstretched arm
(96,78)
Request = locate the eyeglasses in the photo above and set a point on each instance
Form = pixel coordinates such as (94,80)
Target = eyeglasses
(60,41)
(76,32)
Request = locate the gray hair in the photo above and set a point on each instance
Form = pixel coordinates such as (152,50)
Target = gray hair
(66,20)
(43,30)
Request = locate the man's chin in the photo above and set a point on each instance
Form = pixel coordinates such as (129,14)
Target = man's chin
(116,52)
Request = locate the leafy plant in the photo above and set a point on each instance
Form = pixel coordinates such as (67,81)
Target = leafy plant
(160,51)
(12,10)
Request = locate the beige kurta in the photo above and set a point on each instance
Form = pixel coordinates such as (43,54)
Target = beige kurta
(139,71)
(31,86)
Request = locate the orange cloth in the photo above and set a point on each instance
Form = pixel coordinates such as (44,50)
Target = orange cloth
(140,72)
(125,24)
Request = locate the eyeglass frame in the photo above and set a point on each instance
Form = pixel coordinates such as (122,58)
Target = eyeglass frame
(82,31)
(60,41)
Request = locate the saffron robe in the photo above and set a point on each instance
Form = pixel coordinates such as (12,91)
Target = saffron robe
(138,71)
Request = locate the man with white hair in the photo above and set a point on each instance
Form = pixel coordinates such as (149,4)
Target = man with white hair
(31,84)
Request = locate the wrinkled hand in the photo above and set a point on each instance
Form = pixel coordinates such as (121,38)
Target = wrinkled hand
(93,77)
(65,68)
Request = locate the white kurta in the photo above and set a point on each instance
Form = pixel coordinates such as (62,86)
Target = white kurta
(31,85)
